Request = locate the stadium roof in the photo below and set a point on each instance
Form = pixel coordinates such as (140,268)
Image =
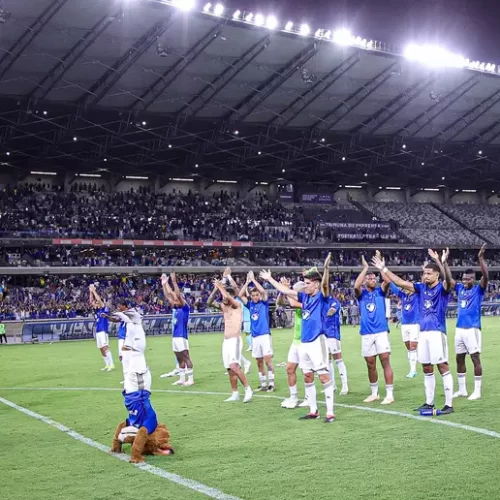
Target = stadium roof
(142,87)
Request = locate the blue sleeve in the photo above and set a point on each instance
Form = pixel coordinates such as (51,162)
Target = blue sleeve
(395,290)
(458,287)
(418,287)
(336,304)
(265,303)
(380,291)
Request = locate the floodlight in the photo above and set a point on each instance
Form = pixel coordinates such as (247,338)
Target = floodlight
(184,5)
(207,7)
(237,14)
(343,37)
(289,26)
(304,30)
(219,9)
(259,20)
(271,23)
(249,18)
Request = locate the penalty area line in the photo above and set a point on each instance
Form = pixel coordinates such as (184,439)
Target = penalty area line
(174,478)
(437,421)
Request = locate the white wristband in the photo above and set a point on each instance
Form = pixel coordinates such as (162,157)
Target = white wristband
(385,270)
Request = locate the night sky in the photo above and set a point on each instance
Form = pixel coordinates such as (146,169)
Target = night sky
(468,27)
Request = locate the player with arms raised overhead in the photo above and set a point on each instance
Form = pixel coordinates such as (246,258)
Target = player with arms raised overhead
(468,331)
(432,342)
(374,331)
(180,319)
(262,345)
(313,350)
(101,327)
(232,346)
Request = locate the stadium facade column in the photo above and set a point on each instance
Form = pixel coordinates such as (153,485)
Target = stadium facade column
(484,197)
(446,196)
(272,192)
(407,195)
(68,180)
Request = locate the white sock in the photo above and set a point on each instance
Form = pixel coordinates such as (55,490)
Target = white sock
(389,391)
(430,388)
(412,358)
(448,388)
(106,360)
(462,382)
(262,379)
(329,397)
(270,376)
(182,374)
(311,397)
(236,394)
(244,361)
(477,384)
(294,393)
(332,372)
(110,358)
(342,371)
(189,374)
(374,388)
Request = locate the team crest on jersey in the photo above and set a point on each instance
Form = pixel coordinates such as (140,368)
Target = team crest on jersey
(255,316)
(370,307)
(407,307)
(306,314)
(427,304)
(463,303)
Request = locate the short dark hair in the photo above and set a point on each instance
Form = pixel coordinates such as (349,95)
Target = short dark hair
(470,271)
(230,291)
(433,266)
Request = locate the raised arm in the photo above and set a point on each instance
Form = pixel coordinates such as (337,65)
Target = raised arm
(95,298)
(386,282)
(484,268)
(234,285)
(325,281)
(266,276)
(243,295)
(259,287)
(177,292)
(167,291)
(358,284)
(380,265)
(231,300)
(439,262)
(211,302)
(448,283)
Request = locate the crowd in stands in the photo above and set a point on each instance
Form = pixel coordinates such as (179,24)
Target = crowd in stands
(80,256)
(67,297)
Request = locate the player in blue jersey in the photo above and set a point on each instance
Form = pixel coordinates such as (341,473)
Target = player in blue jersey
(410,327)
(432,342)
(313,350)
(468,331)
(180,337)
(101,327)
(262,345)
(374,330)
(332,331)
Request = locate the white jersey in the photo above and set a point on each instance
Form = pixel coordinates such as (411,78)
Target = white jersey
(134,359)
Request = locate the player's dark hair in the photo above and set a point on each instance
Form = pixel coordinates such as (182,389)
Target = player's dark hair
(433,266)
(230,291)
(470,271)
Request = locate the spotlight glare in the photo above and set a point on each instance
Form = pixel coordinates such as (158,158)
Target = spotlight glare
(259,153)
(304,30)
(283,171)
(259,20)
(343,158)
(236,132)
(219,9)
(207,7)
(184,5)
(249,18)
(479,152)
(289,26)
(8,153)
(105,159)
(237,14)
(343,37)
(45,113)
(435,56)
(271,23)
(404,146)
(170,146)
(75,139)
(144,124)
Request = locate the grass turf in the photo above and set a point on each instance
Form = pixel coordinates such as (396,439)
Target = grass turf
(254,451)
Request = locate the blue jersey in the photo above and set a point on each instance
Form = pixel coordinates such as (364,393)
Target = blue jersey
(122,330)
(140,411)
(410,306)
(312,316)
(433,303)
(259,317)
(180,318)
(372,312)
(332,323)
(101,324)
(469,306)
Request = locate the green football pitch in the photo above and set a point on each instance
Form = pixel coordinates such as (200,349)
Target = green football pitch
(235,451)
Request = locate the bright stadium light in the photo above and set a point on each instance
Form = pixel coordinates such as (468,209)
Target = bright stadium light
(207,7)
(237,14)
(180,179)
(219,9)
(304,30)
(271,23)
(435,56)
(184,5)
(89,175)
(289,26)
(36,172)
(249,17)
(259,20)
(343,37)
(136,177)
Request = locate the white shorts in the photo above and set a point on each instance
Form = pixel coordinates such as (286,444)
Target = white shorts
(262,346)
(180,344)
(231,351)
(101,339)
(410,333)
(374,344)
(432,348)
(313,356)
(293,354)
(246,327)
(334,346)
(120,345)
(468,340)
(133,382)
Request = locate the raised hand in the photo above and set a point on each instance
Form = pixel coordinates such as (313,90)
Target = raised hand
(445,255)
(378,262)
(265,275)
(164,279)
(328,259)
(364,263)
(92,288)
(433,255)
(251,276)
(481,252)
(285,282)
(173,276)
(227,272)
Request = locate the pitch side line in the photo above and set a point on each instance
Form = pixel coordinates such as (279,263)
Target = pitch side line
(464,427)
(174,478)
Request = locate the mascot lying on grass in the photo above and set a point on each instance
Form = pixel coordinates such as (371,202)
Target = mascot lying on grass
(141,429)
